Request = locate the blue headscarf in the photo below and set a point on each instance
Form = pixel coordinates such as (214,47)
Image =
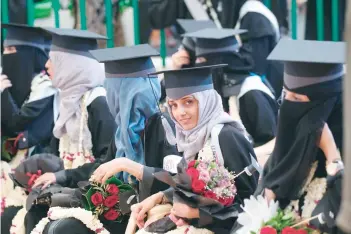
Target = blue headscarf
(132,101)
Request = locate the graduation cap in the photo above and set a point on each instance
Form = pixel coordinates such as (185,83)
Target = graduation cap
(32,167)
(213,40)
(189,26)
(121,62)
(74,41)
(309,62)
(183,82)
(19,35)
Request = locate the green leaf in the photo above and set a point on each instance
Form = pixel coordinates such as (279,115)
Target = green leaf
(114,180)
(125,187)
(89,205)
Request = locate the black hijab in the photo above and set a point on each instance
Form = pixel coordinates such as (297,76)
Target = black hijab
(300,126)
(240,64)
(230,12)
(21,67)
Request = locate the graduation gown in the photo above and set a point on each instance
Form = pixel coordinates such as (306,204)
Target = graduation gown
(34,119)
(237,152)
(155,149)
(262,37)
(258,110)
(101,125)
(32,123)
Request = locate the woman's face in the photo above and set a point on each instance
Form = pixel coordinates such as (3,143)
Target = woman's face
(49,69)
(10,50)
(185,111)
(295,97)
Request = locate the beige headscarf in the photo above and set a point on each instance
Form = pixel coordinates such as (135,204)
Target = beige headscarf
(74,75)
(211,113)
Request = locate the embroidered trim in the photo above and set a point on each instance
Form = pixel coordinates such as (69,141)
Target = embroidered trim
(74,155)
(87,217)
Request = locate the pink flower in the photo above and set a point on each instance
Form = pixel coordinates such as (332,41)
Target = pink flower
(205,176)
(202,166)
(213,173)
(224,183)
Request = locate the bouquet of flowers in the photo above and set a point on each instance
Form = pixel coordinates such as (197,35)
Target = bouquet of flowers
(212,181)
(259,217)
(283,223)
(202,184)
(107,200)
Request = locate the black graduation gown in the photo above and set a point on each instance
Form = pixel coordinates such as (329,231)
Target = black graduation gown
(34,121)
(262,39)
(102,127)
(236,151)
(258,112)
(155,149)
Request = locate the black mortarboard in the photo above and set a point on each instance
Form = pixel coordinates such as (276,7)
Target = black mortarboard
(121,62)
(214,40)
(74,41)
(189,26)
(183,82)
(309,62)
(19,34)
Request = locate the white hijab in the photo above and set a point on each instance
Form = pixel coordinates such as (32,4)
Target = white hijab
(74,75)
(211,113)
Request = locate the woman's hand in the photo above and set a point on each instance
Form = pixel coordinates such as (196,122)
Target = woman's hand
(328,146)
(180,58)
(5,83)
(269,195)
(106,170)
(45,180)
(181,211)
(139,210)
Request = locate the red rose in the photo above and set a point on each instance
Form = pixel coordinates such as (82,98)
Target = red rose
(112,189)
(111,215)
(226,201)
(210,194)
(289,230)
(193,173)
(268,230)
(110,201)
(191,164)
(97,198)
(198,186)
(301,231)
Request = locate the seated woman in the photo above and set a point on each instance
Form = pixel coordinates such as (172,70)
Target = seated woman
(27,108)
(311,114)
(27,114)
(84,127)
(256,104)
(263,36)
(139,139)
(197,111)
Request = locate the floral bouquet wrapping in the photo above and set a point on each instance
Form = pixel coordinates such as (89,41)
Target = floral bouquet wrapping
(109,201)
(202,184)
(212,181)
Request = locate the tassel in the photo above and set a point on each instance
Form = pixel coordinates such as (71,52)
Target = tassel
(168,131)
